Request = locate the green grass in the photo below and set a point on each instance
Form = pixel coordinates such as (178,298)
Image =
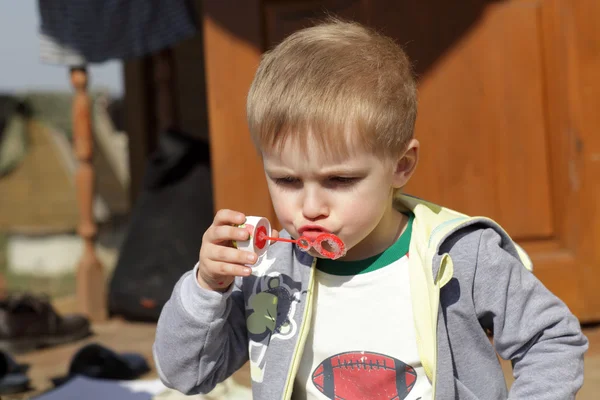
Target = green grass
(53,108)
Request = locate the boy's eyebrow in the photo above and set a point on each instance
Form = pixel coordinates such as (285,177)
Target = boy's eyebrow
(342,170)
(336,170)
(276,168)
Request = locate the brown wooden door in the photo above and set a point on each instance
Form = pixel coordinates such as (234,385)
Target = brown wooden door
(508,121)
(498,123)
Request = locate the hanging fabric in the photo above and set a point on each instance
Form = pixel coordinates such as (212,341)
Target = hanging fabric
(76,33)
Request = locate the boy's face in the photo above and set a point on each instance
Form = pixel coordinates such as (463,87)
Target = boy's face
(350,196)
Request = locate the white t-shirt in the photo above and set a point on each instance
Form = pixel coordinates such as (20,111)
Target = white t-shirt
(362,342)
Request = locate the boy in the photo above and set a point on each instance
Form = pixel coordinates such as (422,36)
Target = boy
(406,312)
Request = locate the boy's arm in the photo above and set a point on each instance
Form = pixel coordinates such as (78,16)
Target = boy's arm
(531,326)
(200,336)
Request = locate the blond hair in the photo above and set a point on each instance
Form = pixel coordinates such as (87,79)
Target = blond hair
(325,81)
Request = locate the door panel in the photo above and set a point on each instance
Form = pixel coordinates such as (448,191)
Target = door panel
(482,122)
(496,126)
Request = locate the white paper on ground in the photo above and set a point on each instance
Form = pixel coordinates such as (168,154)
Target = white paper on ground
(82,387)
(229,389)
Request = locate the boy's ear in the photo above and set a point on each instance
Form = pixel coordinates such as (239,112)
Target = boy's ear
(406,165)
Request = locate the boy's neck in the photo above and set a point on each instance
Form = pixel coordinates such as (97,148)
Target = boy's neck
(390,228)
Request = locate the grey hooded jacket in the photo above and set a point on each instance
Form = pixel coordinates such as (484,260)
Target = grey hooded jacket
(469,276)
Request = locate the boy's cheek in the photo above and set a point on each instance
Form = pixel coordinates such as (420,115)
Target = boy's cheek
(284,216)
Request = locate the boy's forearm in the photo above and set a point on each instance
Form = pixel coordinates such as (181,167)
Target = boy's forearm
(532,327)
(198,341)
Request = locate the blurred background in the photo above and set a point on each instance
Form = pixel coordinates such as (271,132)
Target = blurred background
(38,209)
(122,129)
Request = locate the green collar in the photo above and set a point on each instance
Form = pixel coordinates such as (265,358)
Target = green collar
(373,263)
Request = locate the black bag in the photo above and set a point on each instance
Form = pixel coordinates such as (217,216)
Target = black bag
(168,220)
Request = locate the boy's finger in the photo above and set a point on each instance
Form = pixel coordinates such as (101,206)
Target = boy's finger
(274,233)
(226,232)
(221,269)
(229,217)
(231,255)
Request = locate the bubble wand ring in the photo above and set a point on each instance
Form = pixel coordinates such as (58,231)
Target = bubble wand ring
(326,244)
(338,249)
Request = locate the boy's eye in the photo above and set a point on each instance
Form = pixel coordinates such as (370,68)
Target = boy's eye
(342,180)
(333,181)
(286,181)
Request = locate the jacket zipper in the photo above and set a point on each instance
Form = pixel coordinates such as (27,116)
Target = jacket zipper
(289,384)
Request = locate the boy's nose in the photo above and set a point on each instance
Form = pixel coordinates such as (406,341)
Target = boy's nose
(314,205)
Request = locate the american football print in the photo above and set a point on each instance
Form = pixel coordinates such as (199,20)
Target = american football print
(364,375)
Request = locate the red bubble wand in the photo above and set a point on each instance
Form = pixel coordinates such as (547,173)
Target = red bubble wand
(326,244)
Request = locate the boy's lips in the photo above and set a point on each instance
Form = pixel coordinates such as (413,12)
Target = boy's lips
(311,231)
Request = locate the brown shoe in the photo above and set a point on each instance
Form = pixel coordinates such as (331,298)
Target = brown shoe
(29,322)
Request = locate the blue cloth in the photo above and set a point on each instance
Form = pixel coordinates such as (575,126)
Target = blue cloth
(76,33)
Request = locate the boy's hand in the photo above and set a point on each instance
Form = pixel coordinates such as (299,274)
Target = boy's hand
(220,262)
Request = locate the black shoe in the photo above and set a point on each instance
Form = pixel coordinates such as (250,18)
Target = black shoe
(96,361)
(13,378)
(29,322)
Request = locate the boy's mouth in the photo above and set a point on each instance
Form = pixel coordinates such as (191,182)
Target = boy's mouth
(311,231)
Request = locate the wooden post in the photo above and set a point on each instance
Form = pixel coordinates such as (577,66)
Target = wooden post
(233,44)
(91,285)
(166,93)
